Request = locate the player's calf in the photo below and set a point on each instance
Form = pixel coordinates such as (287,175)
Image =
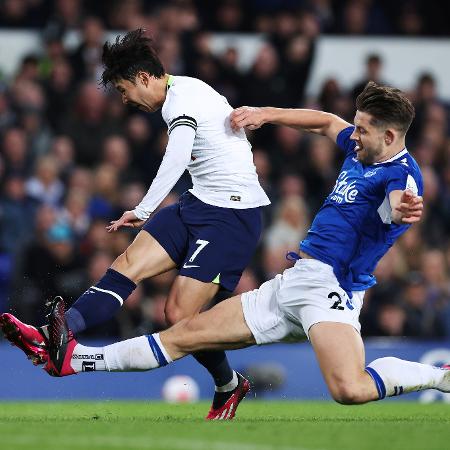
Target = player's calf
(353,391)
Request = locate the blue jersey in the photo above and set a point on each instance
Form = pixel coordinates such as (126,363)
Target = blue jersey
(353,229)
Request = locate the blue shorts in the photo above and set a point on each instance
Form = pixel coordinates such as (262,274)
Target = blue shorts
(208,243)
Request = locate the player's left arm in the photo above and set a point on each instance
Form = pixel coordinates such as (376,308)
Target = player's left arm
(406,206)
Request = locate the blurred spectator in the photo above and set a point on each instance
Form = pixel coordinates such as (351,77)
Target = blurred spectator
(287,154)
(116,153)
(105,194)
(297,62)
(86,59)
(288,228)
(230,16)
(391,320)
(7,116)
(66,14)
(45,185)
(422,320)
(264,84)
(17,211)
(410,20)
(63,151)
(374,68)
(89,125)
(15,152)
(59,91)
(320,174)
(75,212)
(29,69)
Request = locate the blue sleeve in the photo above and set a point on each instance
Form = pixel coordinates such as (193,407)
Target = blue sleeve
(398,178)
(344,142)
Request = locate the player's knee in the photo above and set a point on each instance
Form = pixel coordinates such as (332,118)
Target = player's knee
(346,393)
(173,313)
(122,263)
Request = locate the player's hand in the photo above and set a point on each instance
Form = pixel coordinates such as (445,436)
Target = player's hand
(248,117)
(410,207)
(128,219)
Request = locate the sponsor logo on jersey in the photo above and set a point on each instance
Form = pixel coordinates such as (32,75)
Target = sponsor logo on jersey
(189,266)
(344,191)
(235,198)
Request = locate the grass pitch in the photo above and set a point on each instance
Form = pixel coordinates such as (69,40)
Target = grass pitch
(258,426)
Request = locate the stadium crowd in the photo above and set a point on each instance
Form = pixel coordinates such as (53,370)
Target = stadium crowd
(73,157)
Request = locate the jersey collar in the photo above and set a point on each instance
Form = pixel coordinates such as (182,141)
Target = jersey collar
(170,81)
(396,156)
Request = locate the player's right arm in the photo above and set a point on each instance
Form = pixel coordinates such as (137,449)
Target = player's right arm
(318,122)
(174,163)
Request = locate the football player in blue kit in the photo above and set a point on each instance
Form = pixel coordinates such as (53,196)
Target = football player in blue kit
(209,235)
(376,198)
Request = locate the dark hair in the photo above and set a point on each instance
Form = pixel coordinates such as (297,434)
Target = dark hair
(373,58)
(129,55)
(387,106)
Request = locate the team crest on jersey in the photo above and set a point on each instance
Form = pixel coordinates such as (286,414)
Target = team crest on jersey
(372,172)
(344,191)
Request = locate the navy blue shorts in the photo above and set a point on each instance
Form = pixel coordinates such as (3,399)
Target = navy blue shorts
(208,243)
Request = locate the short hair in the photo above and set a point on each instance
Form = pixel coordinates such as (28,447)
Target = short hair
(373,58)
(129,55)
(388,106)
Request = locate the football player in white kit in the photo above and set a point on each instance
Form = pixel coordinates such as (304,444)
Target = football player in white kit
(209,235)
(376,198)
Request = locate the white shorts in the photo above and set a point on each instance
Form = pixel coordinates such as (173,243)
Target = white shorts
(285,308)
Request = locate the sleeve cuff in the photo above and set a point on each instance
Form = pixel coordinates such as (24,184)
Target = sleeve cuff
(141,214)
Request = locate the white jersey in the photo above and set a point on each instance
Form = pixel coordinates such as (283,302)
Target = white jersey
(221,165)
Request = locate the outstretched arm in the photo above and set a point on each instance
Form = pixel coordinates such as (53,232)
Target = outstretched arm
(318,122)
(174,163)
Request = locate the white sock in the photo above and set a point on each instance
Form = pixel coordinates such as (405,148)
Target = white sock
(87,359)
(394,376)
(140,353)
(229,386)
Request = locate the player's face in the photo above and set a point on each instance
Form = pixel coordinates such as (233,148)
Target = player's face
(369,139)
(142,94)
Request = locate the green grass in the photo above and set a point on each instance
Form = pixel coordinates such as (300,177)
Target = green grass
(259,426)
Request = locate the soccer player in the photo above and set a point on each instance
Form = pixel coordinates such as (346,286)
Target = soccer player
(209,235)
(376,197)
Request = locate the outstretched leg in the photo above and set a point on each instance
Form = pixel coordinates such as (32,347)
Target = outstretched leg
(340,352)
(145,257)
(222,327)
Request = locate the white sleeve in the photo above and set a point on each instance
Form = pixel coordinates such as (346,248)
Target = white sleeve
(174,163)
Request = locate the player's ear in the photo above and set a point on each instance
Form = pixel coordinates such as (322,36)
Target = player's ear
(389,136)
(143,78)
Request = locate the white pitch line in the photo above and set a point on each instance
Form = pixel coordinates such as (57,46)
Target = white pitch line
(138,443)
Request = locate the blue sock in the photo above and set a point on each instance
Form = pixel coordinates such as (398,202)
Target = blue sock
(160,354)
(216,363)
(100,302)
(379,383)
